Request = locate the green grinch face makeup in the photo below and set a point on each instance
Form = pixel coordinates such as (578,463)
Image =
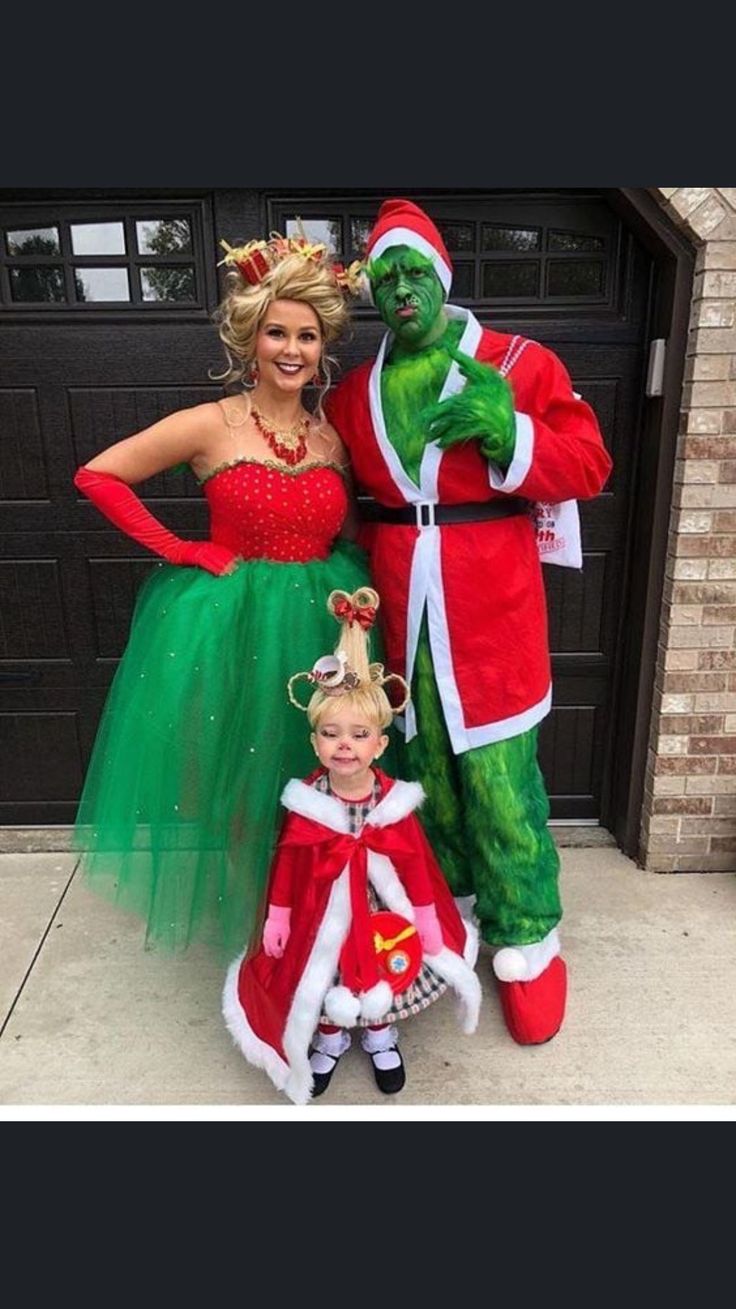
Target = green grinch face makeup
(409,296)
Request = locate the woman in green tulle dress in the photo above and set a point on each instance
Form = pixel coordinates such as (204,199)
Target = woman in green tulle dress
(178,813)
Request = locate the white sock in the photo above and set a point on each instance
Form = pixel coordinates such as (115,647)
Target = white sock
(523,963)
(326,1048)
(381,1046)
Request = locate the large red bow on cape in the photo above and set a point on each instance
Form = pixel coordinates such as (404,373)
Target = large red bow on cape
(336,849)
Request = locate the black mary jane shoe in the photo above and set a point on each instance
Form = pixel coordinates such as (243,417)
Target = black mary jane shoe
(388,1080)
(321,1081)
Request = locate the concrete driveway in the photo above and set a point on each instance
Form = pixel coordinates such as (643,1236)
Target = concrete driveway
(91,1019)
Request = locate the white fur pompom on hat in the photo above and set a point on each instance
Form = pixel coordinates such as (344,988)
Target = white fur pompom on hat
(401,222)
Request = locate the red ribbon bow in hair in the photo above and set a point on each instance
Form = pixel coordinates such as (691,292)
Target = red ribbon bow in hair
(365,615)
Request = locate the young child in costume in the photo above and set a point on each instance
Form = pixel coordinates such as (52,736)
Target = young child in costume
(356,902)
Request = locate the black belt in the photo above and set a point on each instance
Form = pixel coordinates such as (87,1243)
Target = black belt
(427,514)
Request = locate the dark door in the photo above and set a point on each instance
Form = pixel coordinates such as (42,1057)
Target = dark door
(105,327)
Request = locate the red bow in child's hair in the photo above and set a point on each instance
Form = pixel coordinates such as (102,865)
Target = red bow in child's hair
(364,615)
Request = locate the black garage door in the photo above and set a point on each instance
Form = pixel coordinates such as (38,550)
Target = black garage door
(105,327)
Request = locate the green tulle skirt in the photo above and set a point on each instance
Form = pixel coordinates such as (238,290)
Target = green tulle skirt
(180,807)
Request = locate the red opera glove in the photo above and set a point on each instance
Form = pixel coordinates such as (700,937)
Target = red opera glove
(428,926)
(276,930)
(118,502)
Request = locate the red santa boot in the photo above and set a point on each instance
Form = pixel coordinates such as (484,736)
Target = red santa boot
(532,982)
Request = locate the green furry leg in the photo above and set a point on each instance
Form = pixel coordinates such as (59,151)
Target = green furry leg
(429,759)
(486,818)
(515,861)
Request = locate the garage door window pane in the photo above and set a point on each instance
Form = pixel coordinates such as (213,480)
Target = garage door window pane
(360,230)
(511,279)
(31,285)
(95,284)
(574,242)
(34,241)
(171,284)
(326,230)
(97,238)
(575,277)
(510,238)
(463,278)
(458,236)
(164,236)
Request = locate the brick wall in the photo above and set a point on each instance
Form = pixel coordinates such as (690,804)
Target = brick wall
(689,814)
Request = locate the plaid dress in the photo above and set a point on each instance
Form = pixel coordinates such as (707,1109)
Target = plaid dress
(427,986)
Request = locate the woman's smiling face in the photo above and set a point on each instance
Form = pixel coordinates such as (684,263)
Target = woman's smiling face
(288,345)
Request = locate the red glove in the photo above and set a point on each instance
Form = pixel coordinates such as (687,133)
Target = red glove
(118,502)
(428,926)
(276,931)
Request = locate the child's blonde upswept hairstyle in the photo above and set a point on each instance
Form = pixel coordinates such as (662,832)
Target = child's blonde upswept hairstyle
(348,678)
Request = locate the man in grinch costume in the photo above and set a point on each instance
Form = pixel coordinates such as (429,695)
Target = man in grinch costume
(466,438)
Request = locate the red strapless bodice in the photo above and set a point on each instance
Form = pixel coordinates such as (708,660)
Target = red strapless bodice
(265,512)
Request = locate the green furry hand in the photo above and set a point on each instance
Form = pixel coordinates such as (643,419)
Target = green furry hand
(483,409)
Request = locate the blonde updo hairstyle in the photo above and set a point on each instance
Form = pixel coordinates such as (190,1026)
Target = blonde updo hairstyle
(241,311)
(369,700)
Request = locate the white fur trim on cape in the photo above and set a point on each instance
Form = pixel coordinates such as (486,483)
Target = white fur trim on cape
(402,800)
(316,980)
(387,885)
(464,982)
(255,1050)
(308,802)
(294,1076)
(300,798)
(472,943)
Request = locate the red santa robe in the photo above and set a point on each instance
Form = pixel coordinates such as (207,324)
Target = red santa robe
(481,582)
(273,1006)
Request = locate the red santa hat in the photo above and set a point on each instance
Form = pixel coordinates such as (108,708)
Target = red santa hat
(400,222)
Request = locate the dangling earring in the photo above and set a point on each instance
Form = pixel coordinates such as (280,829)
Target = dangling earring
(252,376)
(318,380)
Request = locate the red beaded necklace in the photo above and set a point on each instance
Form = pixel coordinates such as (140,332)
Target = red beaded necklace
(289,445)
